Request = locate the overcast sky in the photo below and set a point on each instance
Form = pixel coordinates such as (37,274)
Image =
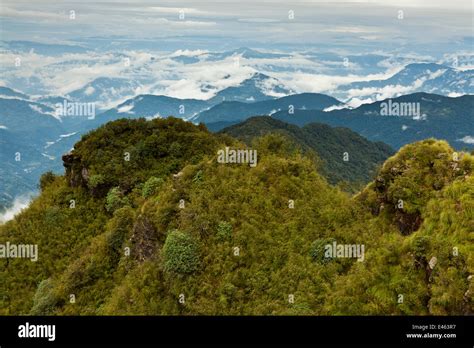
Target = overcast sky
(372,24)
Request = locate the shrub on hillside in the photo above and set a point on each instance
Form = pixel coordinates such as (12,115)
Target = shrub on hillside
(318,250)
(46,179)
(44,300)
(151,186)
(115,199)
(224,231)
(119,227)
(180,253)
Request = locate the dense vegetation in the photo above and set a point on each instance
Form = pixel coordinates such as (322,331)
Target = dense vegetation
(172,231)
(331,145)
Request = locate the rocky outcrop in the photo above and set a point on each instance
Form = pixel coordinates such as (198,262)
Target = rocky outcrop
(76,174)
(144,239)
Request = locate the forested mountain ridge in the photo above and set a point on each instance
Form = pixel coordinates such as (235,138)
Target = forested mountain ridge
(147,221)
(429,115)
(360,157)
(50,133)
(234,111)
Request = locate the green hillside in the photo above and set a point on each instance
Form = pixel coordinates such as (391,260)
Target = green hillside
(171,231)
(330,144)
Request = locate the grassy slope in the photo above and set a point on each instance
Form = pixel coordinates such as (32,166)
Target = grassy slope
(190,251)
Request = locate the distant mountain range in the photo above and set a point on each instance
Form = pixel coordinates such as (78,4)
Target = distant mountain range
(154,106)
(29,121)
(105,90)
(251,90)
(416,77)
(22,165)
(27,130)
(257,88)
(113,74)
(440,117)
(31,126)
(6,92)
(236,111)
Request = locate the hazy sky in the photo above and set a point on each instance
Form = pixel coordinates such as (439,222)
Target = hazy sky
(379,36)
(371,24)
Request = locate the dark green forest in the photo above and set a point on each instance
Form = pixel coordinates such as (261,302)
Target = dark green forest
(327,144)
(145,221)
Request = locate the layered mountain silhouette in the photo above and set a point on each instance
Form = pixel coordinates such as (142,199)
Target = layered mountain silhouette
(237,111)
(419,77)
(439,117)
(31,126)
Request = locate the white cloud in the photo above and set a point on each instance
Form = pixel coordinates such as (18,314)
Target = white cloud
(435,74)
(193,77)
(52,158)
(19,203)
(336,107)
(36,15)
(467,139)
(246,19)
(353,30)
(268,87)
(38,109)
(159,73)
(320,83)
(126,108)
(258,20)
(369,37)
(67,135)
(385,92)
(89,90)
(189,53)
(149,118)
(177,10)
(356,102)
